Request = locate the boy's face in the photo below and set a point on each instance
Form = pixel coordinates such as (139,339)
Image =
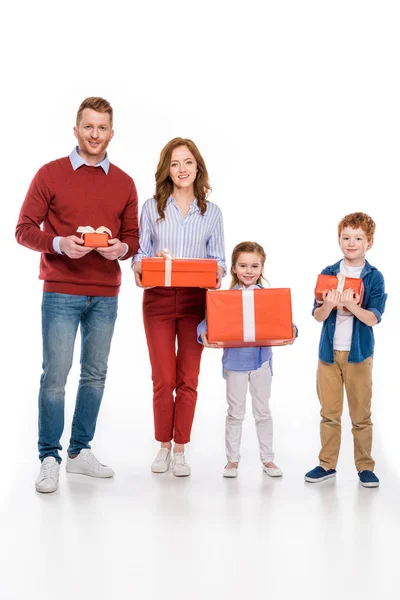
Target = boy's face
(354,245)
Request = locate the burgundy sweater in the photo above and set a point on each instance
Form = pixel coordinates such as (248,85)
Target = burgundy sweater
(61,200)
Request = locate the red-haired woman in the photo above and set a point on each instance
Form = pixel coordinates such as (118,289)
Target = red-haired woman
(179,217)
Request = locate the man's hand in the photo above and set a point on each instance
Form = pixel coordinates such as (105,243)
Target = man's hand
(208,344)
(73,247)
(113,251)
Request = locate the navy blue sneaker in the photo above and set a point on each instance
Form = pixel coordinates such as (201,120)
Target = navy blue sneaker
(319,474)
(368,478)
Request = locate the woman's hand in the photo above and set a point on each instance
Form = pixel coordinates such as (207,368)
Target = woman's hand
(137,271)
(207,344)
(220,272)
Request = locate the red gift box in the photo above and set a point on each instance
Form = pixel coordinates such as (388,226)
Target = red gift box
(334,282)
(258,317)
(95,238)
(179,272)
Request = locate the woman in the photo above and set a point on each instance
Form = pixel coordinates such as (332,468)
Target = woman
(179,218)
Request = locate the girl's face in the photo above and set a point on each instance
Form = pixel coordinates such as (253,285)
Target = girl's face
(248,268)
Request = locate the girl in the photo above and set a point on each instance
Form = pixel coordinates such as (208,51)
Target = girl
(246,367)
(179,218)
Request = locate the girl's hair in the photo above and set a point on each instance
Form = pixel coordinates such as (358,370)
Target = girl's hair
(246,247)
(164,185)
(358,220)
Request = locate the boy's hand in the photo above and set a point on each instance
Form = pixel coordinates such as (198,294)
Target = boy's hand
(331,298)
(114,249)
(349,298)
(206,343)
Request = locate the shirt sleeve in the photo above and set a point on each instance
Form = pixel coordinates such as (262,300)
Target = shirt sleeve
(145,237)
(216,243)
(201,328)
(377,298)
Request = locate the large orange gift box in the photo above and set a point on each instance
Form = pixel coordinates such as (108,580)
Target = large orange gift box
(179,272)
(258,317)
(338,282)
(95,238)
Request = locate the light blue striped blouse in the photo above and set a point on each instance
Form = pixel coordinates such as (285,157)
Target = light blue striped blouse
(192,236)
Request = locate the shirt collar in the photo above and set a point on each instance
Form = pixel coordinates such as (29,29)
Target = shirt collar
(77,161)
(193,206)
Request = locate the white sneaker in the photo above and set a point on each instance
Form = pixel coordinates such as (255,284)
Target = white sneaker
(47,480)
(230,473)
(273,471)
(87,464)
(179,466)
(162,461)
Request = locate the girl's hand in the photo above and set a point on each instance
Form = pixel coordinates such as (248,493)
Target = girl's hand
(206,343)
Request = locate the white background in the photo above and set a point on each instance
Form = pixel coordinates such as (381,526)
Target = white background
(295,108)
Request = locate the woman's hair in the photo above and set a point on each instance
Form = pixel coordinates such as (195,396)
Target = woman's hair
(164,184)
(246,247)
(358,220)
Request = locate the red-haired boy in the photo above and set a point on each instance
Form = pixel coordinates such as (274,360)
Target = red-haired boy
(346,352)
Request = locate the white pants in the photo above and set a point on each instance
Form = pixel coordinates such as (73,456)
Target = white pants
(259,383)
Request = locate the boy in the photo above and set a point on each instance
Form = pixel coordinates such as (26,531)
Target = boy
(346,352)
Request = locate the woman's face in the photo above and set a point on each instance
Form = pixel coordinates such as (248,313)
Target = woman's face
(183,168)
(248,268)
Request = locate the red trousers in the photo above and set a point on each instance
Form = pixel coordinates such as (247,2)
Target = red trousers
(171,316)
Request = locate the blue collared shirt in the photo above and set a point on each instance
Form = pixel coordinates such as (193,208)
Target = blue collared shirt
(192,236)
(362,340)
(241,359)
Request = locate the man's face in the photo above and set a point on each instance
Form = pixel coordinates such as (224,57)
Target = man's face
(93,133)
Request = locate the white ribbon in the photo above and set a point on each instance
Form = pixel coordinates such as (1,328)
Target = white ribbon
(341,282)
(165,253)
(88,229)
(249,319)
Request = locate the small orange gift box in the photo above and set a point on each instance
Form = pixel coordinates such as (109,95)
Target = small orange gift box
(95,238)
(258,317)
(338,282)
(164,271)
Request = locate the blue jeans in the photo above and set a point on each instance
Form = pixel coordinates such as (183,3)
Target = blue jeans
(61,316)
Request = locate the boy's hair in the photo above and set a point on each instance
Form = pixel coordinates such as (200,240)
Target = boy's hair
(358,220)
(95,103)
(246,247)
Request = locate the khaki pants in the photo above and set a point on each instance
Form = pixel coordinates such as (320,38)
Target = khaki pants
(357,380)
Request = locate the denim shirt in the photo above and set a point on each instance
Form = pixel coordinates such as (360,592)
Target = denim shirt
(362,340)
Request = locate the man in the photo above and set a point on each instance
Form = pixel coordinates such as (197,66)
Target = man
(81,284)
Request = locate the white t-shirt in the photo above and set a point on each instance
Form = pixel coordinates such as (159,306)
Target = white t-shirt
(344,319)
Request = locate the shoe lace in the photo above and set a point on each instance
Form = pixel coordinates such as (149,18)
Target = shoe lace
(162,454)
(92,459)
(179,458)
(48,470)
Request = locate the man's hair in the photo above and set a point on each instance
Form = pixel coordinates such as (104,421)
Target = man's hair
(95,103)
(358,220)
